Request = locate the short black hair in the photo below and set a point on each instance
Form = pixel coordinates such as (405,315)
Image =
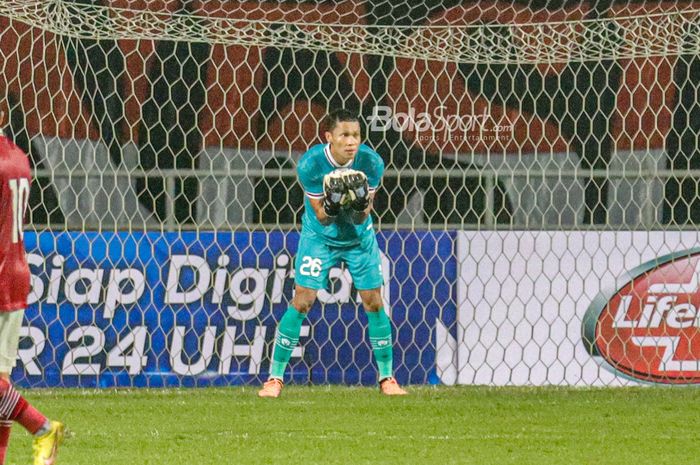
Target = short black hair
(338,116)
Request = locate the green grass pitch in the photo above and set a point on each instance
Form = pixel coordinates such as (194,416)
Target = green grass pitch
(352,425)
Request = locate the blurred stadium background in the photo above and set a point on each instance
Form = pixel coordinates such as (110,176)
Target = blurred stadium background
(538,217)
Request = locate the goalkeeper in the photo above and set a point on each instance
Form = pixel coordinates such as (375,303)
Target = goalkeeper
(339,179)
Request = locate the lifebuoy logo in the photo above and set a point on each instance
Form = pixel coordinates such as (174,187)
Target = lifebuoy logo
(649,328)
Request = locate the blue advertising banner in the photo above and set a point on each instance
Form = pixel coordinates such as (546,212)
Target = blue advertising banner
(201,308)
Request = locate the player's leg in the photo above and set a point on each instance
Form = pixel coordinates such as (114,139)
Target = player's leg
(365,266)
(286,339)
(48,435)
(289,329)
(312,265)
(379,329)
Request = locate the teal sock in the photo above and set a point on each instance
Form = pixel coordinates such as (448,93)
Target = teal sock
(380,340)
(286,340)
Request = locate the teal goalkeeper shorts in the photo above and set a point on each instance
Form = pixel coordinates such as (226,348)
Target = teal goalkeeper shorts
(315,259)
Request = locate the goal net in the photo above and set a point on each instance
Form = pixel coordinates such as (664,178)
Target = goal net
(537,217)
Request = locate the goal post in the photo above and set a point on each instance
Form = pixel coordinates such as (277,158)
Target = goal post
(535,159)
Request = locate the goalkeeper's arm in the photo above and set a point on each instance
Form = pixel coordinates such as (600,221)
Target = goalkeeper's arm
(323,217)
(360,200)
(334,195)
(359,217)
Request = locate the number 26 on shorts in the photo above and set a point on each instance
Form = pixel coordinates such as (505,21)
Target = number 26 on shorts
(310,266)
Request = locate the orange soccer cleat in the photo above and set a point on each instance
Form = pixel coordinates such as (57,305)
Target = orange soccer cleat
(271,388)
(389,387)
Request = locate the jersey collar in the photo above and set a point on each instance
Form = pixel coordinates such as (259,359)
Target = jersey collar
(331,160)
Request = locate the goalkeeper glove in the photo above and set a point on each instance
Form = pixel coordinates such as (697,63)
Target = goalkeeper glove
(357,188)
(333,193)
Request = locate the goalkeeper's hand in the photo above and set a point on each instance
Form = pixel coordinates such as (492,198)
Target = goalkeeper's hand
(334,193)
(357,188)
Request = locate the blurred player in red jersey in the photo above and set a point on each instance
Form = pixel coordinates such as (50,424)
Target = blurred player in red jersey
(15,179)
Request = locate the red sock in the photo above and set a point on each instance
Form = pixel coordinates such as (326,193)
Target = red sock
(28,416)
(14,407)
(5,427)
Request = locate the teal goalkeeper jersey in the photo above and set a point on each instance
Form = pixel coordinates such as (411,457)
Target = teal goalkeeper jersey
(313,166)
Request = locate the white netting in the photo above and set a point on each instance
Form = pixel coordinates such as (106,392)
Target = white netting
(581,39)
(171,123)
